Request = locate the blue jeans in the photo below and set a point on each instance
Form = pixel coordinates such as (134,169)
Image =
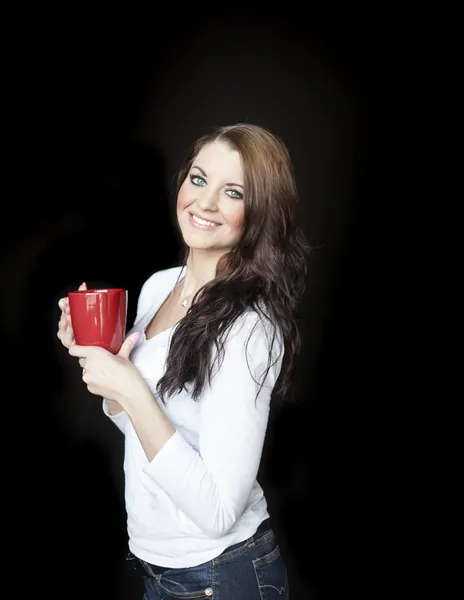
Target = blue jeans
(249,570)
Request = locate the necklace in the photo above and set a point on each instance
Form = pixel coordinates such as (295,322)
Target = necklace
(185,301)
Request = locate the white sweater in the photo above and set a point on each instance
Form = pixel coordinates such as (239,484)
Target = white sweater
(199,494)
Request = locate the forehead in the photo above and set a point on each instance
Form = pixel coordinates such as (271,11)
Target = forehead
(218,159)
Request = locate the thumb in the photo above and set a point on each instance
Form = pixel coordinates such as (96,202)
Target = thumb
(82,287)
(128,344)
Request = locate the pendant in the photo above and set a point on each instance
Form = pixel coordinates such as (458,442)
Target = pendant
(185,303)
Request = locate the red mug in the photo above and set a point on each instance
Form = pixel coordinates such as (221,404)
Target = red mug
(99,317)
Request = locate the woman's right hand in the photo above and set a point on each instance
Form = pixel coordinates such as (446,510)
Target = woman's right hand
(65,331)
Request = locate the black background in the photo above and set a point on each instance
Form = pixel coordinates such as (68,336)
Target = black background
(104,108)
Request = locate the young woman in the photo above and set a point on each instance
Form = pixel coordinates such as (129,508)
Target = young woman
(191,387)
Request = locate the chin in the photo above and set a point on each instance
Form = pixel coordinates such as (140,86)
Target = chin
(213,248)
(204,246)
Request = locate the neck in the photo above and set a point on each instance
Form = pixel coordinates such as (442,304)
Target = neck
(201,268)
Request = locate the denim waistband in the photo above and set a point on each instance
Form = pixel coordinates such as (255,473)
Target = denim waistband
(263,528)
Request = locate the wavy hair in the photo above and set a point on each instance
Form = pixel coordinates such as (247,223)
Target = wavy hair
(264,272)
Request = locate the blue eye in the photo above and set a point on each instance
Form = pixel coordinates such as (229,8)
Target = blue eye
(201,182)
(197,180)
(235,194)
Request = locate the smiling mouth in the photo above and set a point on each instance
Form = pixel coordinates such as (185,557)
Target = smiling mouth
(203,222)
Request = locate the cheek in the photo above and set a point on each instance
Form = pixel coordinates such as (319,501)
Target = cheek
(236,216)
(183,197)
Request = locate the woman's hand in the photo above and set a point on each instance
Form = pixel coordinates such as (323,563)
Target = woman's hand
(111,376)
(65,331)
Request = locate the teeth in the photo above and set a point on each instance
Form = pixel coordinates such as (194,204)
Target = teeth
(203,222)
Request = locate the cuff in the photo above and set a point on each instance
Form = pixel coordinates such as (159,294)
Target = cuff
(120,419)
(170,460)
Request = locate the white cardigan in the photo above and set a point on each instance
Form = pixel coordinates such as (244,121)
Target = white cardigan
(199,494)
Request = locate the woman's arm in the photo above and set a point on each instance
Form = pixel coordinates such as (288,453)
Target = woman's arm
(145,299)
(212,485)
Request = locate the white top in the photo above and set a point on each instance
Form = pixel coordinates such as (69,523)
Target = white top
(199,494)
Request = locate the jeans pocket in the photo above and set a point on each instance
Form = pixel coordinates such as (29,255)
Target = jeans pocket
(188,584)
(272,577)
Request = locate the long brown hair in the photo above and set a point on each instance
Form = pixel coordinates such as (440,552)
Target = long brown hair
(267,267)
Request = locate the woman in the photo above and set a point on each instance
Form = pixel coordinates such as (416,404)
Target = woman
(191,387)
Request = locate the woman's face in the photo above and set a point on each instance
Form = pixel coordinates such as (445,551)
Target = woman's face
(210,207)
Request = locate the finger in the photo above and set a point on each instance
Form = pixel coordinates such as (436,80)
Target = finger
(82,351)
(62,323)
(63,303)
(66,324)
(82,363)
(129,344)
(62,326)
(68,337)
(83,286)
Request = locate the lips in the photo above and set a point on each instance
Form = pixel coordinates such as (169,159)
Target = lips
(202,222)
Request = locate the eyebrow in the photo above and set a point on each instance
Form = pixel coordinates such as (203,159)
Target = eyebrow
(203,173)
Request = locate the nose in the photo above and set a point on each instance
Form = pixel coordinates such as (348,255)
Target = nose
(207,200)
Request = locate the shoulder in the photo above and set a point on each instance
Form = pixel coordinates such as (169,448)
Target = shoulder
(161,279)
(252,345)
(256,333)
(254,321)
(157,285)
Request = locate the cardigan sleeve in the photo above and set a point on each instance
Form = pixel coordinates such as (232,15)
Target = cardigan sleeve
(212,485)
(145,300)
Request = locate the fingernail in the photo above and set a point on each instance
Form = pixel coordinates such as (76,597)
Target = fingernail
(134,337)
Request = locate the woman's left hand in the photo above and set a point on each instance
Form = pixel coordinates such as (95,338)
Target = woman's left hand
(111,376)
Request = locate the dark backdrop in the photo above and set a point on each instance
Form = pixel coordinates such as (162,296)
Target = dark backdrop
(107,107)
